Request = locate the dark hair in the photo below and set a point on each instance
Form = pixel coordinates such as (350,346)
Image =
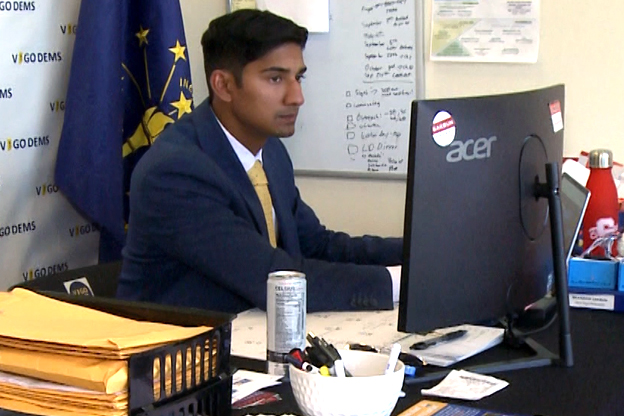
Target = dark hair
(235,39)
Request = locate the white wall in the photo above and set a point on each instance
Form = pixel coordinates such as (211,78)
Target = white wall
(578,48)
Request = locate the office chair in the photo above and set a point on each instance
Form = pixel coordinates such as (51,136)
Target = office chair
(98,280)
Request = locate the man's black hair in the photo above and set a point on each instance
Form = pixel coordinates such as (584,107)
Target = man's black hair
(236,39)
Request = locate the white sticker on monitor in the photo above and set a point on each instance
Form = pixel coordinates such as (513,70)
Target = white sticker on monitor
(443,129)
(555,115)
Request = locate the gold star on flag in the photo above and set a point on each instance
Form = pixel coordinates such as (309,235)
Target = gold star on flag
(142,35)
(183,105)
(178,50)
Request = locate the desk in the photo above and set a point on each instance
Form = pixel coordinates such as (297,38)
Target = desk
(594,386)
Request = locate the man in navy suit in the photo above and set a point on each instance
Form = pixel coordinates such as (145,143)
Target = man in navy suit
(198,235)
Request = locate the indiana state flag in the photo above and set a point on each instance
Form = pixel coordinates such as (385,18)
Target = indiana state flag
(129,78)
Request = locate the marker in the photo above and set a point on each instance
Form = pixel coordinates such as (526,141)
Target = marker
(298,354)
(339,368)
(410,371)
(293,360)
(307,367)
(422,345)
(393,358)
(323,351)
(361,347)
(409,359)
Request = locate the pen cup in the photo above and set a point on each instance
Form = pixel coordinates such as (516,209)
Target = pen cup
(369,392)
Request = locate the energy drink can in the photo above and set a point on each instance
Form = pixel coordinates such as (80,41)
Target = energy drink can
(286,318)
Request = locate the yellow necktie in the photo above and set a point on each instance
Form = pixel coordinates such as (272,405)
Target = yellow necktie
(261,185)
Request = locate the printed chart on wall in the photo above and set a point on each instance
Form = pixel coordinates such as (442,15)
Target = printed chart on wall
(485,31)
(361,80)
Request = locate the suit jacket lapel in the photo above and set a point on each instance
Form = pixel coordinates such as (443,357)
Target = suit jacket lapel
(212,141)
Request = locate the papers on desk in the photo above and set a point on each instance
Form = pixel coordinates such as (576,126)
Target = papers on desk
(476,340)
(375,328)
(246,382)
(28,395)
(38,323)
(69,345)
(465,385)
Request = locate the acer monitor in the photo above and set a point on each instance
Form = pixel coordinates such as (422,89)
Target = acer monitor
(477,240)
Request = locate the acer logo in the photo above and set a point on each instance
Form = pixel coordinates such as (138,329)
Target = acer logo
(470,149)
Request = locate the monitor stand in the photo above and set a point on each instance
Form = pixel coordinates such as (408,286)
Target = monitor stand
(550,190)
(532,353)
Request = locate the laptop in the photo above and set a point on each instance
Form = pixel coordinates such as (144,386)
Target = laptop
(574,199)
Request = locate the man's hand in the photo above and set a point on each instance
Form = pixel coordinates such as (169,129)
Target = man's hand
(395,274)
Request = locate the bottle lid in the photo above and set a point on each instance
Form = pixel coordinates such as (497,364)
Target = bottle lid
(600,158)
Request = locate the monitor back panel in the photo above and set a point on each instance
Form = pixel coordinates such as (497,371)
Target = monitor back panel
(477,243)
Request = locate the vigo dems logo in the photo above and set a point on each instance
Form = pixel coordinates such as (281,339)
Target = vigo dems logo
(69,29)
(27,143)
(443,133)
(17,6)
(6,93)
(56,106)
(36,272)
(36,57)
(78,286)
(22,228)
(83,229)
(46,189)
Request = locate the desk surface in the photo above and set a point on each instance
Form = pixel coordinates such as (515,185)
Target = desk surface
(594,386)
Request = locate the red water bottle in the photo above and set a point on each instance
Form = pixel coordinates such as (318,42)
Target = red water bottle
(601,216)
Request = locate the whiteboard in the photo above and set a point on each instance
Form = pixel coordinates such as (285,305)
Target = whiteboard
(362,77)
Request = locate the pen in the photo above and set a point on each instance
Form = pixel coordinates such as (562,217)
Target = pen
(408,359)
(326,349)
(293,360)
(298,354)
(297,360)
(393,358)
(339,368)
(361,347)
(410,371)
(317,357)
(323,346)
(422,345)
(307,367)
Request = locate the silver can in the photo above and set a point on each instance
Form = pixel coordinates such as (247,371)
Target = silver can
(286,318)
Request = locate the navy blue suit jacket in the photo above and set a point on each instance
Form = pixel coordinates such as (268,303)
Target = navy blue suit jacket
(197,235)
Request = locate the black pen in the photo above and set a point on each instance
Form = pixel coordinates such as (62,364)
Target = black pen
(326,349)
(422,345)
(407,359)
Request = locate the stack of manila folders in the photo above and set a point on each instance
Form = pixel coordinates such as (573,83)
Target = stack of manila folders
(60,359)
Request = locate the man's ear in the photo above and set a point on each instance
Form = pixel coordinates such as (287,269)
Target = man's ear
(222,82)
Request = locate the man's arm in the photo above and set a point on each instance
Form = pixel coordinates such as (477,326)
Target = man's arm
(320,243)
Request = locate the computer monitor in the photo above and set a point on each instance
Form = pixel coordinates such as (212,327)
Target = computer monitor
(477,242)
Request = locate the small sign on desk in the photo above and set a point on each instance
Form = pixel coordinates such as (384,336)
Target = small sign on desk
(432,408)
